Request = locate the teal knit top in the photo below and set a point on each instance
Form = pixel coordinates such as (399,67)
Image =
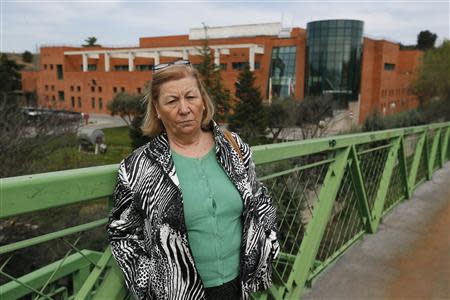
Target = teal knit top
(212,211)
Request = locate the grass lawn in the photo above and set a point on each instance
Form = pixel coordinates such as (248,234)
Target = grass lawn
(68,156)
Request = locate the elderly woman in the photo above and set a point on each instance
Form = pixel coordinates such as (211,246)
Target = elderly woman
(189,218)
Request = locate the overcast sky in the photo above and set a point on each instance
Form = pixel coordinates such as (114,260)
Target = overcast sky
(26,25)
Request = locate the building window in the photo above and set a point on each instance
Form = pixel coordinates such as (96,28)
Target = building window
(79,102)
(46,87)
(61,96)
(59,72)
(144,67)
(53,87)
(78,88)
(223,67)
(100,103)
(115,89)
(389,67)
(122,89)
(92,88)
(139,90)
(72,101)
(282,71)
(99,89)
(257,65)
(46,97)
(51,67)
(92,67)
(45,66)
(71,88)
(93,102)
(121,67)
(239,65)
(53,98)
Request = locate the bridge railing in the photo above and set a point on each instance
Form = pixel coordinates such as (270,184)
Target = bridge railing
(329,193)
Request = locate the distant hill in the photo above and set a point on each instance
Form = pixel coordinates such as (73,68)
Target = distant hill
(17,57)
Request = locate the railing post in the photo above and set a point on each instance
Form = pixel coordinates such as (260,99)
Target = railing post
(444,146)
(403,167)
(380,198)
(358,184)
(432,154)
(316,228)
(416,160)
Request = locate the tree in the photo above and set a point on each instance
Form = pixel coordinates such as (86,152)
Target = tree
(315,116)
(9,74)
(432,84)
(426,40)
(249,118)
(126,106)
(27,57)
(91,42)
(281,114)
(212,78)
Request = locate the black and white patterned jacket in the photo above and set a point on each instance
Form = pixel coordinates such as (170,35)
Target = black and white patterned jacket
(147,230)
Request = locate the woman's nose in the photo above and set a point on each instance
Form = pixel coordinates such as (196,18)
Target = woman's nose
(184,106)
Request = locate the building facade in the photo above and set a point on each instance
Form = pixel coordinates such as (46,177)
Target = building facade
(329,57)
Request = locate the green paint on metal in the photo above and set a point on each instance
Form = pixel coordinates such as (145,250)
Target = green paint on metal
(432,154)
(359,187)
(315,230)
(36,279)
(94,276)
(300,262)
(51,236)
(50,190)
(384,183)
(113,286)
(416,160)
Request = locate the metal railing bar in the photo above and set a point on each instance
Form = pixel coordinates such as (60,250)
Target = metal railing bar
(81,253)
(308,166)
(24,285)
(58,267)
(51,236)
(373,149)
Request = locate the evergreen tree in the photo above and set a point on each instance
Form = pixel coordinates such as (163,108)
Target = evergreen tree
(249,118)
(212,78)
(27,57)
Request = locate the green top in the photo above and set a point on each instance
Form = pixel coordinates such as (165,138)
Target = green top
(212,210)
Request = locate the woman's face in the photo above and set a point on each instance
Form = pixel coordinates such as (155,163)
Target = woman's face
(180,106)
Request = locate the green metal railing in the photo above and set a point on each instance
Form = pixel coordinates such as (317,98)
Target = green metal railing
(329,193)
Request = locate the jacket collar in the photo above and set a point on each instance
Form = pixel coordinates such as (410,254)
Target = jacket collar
(158,150)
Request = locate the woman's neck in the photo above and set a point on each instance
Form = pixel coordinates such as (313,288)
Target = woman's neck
(194,146)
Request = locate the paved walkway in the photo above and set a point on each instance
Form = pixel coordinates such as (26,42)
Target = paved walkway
(408,258)
(100,121)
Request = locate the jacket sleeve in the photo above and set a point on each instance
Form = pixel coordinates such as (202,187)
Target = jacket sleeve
(265,210)
(125,232)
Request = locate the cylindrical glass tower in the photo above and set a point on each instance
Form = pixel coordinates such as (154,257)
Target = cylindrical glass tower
(334,56)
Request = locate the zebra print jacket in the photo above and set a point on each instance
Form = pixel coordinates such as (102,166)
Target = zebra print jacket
(147,230)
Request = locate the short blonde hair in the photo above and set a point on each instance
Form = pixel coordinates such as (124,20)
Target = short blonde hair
(152,126)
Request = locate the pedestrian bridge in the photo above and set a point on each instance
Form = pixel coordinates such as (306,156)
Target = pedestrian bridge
(335,196)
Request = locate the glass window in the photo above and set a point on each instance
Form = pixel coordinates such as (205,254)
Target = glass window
(282,71)
(92,88)
(93,102)
(78,88)
(100,103)
(389,67)
(92,67)
(114,89)
(79,102)
(59,72)
(72,101)
(121,67)
(61,96)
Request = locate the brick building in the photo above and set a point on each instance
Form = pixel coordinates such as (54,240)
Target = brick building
(329,57)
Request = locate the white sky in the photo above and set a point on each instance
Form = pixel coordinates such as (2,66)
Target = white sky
(26,25)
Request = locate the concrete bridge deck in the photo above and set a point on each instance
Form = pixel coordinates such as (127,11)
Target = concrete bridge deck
(408,258)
